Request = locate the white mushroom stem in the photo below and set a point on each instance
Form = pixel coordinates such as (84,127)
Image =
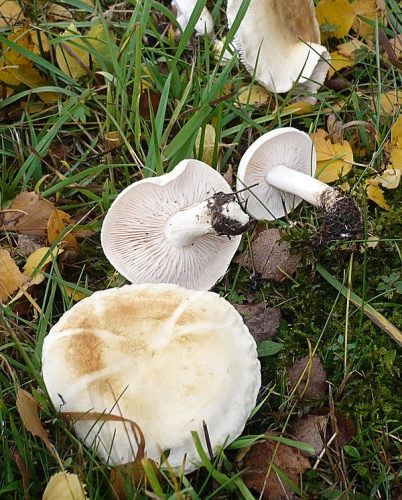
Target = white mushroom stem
(303,185)
(221,215)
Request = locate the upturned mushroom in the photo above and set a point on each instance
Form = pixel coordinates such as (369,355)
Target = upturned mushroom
(280,165)
(159,358)
(279,42)
(182,227)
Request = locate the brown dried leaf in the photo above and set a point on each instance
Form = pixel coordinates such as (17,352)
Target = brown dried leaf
(11,278)
(262,321)
(64,486)
(28,411)
(313,383)
(27,214)
(28,243)
(311,430)
(272,258)
(267,482)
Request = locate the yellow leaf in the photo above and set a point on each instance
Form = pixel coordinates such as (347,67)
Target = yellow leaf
(344,55)
(11,277)
(375,193)
(367,9)
(396,158)
(209,136)
(330,169)
(39,259)
(337,15)
(75,294)
(57,223)
(299,108)
(396,133)
(255,95)
(10,13)
(64,486)
(75,53)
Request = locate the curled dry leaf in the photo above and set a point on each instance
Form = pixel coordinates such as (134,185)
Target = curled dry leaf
(263,322)
(11,278)
(27,214)
(272,258)
(64,486)
(261,477)
(28,410)
(308,378)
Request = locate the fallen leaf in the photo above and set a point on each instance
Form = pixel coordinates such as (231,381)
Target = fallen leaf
(76,54)
(57,223)
(28,410)
(333,160)
(76,295)
(11,278)
(390,102)
(15,68)
(208,136)
(271,258)
(365,9)
(328,429)
(253,95)
(27,214)
(261,477)
(17,457)
(10,13)
(263,322)
(28,243)
(335,17)
(396,133)
(56,12)
(64,486)
(308,378)
(375,193)
(299,107)
(39,259)
(389,179)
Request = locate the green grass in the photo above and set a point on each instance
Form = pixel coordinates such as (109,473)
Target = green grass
(64,152)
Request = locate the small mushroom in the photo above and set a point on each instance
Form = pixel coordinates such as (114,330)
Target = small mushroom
(184,9)
(279,42)
(158,356)
(182,227)
(281,165)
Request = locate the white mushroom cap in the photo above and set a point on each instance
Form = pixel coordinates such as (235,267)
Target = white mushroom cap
(162,356)
(204,25)
(158,230)
(284,147)
(279,43)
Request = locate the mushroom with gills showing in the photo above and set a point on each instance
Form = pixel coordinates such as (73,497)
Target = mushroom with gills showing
(154,357)
(182,227)
(279,43)
(280,165)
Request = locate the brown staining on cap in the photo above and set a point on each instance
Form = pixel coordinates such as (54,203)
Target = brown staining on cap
(85,353)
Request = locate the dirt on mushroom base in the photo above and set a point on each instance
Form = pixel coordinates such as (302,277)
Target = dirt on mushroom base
(342,221)
(223,222)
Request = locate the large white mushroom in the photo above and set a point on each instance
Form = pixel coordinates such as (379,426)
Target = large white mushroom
(184,9)
(278,168)
(182,227)
(161,356)
(279,42)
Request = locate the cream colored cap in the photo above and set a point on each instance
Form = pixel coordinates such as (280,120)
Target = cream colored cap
(162,356)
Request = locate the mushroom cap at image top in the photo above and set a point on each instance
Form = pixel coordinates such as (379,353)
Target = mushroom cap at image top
(182,227)
(279,44)
(161,356)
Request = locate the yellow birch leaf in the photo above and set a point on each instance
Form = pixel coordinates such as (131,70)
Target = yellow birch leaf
(367,9)
(208,144)
(64,486)
(349,48)
(299,108)
(389,179)
(330,169)
(391,102)
(57,223)
(10,13)
(375,193)
(39,259)
(11,278)
(73,293)
(254,95)
(336,14)
(338,62)
(396,133)
(396,158)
